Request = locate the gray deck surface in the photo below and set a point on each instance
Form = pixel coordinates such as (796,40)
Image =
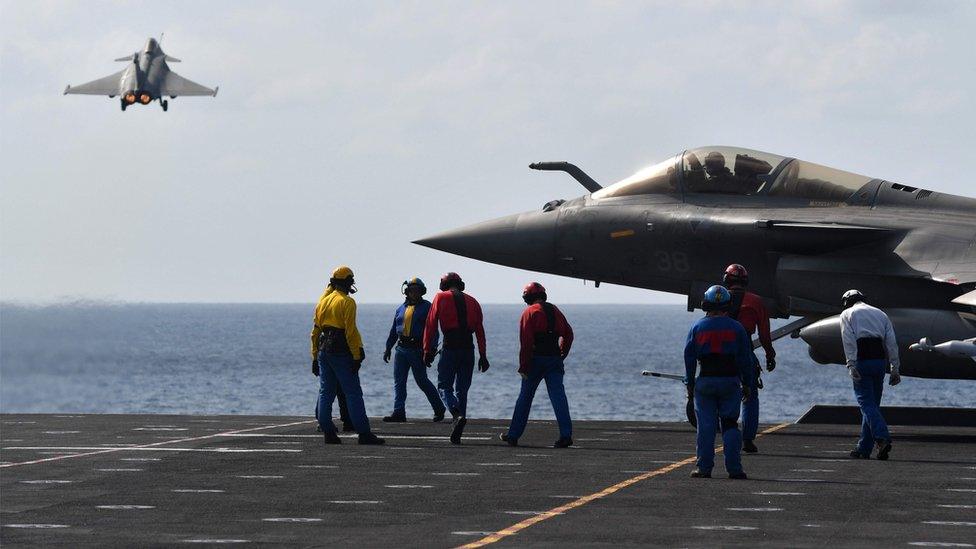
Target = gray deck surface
(154,480)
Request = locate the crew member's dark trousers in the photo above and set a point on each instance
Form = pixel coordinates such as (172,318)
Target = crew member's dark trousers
(406,360)
(336,370)
(750,409)
(868,391)
(454,371)
(341,397)
(717,407)
(549,368)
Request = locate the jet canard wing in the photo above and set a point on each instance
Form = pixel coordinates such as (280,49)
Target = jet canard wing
(175,85)
(108,85)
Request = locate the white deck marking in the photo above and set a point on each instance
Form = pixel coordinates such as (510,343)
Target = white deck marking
(124,507)
(456,474)
(409,486)
(471,533)
(729,528)
(318,466)
(196,491)
(533,455)
(365,457)
(800,480)
(261,476)
(500,464)
(953,506)
(292,519)
(755,509)
(961,489)
(949,522)
(779,493)
(813,470)
(561,496)
(939,544)
(161,429)
(38,526)
(46,481)
(141,459)
(155,444)
(120,470)
(282,442)
(143,449)
(215,540)
(60,432)
(965,478)
(529,513)
(355,502)
(19,422)
(58,453)
(353,436)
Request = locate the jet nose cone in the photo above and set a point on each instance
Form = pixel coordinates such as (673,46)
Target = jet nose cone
(525,240)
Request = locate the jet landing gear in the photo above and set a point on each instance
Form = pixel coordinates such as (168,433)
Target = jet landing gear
(165,104)
(123,105)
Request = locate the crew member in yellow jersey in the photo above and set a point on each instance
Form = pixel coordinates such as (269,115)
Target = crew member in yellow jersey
(337,355)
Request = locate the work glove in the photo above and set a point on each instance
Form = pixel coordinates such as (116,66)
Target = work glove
(357,364)
(386,356)
(315,367)
(895,377)
(562,356)
(483,364)
(746,392)
(852,369)
(429,358)
(770,363)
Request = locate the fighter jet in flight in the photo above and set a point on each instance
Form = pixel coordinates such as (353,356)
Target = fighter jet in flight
(806,232)
(145,78)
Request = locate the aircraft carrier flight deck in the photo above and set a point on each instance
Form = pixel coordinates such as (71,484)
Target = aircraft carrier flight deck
(156,480)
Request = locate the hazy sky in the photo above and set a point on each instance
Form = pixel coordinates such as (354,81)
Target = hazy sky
(342,131)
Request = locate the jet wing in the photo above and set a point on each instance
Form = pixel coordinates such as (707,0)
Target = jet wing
(175,86)
(103,86)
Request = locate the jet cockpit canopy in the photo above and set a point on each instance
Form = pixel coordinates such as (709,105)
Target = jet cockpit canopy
(737,171)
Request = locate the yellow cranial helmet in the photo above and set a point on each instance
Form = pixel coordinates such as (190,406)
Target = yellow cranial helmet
(342,272)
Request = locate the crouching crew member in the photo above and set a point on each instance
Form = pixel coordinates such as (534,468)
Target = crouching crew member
(337,353)
(749,310)
(869,345)
(722,348)
(407,333)
(459,316)
(546,338)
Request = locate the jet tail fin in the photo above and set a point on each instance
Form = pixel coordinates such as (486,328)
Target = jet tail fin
(572,170)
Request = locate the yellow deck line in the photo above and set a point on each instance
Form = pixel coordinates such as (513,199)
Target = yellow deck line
(556,511)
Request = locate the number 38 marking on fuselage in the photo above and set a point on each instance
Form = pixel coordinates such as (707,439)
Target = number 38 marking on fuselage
(671,261)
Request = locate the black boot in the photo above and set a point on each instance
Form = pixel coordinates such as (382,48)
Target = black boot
(698,473)
(563,442)
(396,417)
(505,438)
(741,475)
(884,448)
(459,423)
(332,438)
(857,454)
(370,439)
(439,415)
(749,447)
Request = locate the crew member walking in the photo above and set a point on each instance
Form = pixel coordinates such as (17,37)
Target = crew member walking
(337,356)
(459,316)
(722,348)
(869,346)
(546,338)
(407,333)
(749,310)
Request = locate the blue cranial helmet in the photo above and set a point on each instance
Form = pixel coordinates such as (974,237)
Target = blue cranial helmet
(716,298)
(413,282)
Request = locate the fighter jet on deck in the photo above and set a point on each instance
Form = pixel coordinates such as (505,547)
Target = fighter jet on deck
(146,78)
(806,232)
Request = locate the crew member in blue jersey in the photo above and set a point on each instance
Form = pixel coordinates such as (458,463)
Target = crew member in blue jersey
(870,346)
(407,333)
(722,348)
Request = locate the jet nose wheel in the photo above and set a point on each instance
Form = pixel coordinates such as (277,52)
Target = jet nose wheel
(165,105)
(123,105)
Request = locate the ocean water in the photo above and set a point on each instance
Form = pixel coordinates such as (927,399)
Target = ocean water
(254,359)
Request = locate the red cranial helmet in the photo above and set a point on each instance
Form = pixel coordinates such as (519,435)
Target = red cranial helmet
(532,292)
(451,280)
(735,275)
